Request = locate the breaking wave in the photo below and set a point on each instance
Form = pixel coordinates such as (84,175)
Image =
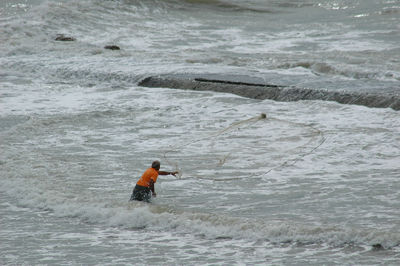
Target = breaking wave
(321,68)
(139,216)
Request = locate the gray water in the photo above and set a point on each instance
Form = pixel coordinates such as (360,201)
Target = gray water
(313,183)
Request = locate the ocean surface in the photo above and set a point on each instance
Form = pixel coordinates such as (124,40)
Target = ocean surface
(314,183)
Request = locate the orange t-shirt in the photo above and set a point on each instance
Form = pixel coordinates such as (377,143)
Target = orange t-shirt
(150,173)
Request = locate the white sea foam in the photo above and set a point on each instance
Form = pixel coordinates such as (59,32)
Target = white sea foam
(212,226)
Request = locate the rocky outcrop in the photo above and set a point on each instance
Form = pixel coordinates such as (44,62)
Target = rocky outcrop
(269,91)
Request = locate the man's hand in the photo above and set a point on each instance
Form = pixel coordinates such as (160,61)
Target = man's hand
(174,173)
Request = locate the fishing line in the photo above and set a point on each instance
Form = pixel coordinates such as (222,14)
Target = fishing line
(247,122)
(234,125)
(291,162)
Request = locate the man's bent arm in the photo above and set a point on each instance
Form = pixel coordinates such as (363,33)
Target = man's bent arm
(152,186)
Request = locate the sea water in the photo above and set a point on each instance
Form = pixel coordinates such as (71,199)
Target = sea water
(313,183)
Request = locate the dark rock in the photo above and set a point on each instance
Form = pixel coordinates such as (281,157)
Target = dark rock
(63,38)
(112,47)
(258,90)
(377,246)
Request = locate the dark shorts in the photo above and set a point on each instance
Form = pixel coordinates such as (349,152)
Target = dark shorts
(141,193)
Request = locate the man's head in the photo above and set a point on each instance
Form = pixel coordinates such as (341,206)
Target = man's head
(156,165)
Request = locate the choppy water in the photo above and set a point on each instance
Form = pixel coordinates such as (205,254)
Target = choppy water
(314,183)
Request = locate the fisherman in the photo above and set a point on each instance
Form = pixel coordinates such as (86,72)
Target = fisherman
(145,185)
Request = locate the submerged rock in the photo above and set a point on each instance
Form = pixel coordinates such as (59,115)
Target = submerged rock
(112,47)
(63,38)
(377,246)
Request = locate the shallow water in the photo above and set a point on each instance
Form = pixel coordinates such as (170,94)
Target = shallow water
(76,162)
(313,183)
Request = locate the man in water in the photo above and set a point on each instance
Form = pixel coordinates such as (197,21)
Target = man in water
(145,185)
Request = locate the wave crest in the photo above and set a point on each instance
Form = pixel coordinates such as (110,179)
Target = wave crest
(322,68)
(139,216)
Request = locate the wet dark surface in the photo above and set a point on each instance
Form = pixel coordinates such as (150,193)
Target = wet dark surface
(257,88)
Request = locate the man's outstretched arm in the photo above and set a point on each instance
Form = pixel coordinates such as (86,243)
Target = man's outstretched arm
(167,173)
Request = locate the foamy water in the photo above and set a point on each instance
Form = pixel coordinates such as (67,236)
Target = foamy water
(313,183)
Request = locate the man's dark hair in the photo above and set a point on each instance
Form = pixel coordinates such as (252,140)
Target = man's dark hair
(155,164)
